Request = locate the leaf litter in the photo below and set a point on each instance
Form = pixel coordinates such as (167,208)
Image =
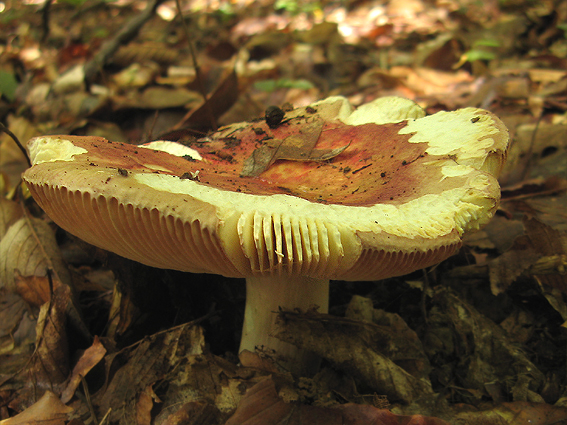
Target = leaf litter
(479,339)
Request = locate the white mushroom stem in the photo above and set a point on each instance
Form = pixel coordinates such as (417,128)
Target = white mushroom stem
(264,298)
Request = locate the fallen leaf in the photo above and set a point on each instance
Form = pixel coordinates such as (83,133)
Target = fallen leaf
(147,363)
(514,414)
(217,103)
(35,290)
(29,246)
(195,413)
(47,411)
(392,336)
(90,358)
(144,406)
(485,351)
(540,251)
(10,212)
(12,314)
(50,364)
(296,147)
(357,348)
(261,406)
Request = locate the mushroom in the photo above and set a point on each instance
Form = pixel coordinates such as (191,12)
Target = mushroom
(328,193)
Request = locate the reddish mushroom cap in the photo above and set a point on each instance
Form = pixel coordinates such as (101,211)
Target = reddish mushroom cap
(398,194)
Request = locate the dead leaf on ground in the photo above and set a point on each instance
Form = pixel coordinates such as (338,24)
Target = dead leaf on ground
(195,413)
(50,365)
(156,98)
(540,252)
(16,330)
(90,358)
(35,290)
(261,405)
(217,103)
(10,212)
(485,352)
(147,363)
(392,336)
(534,187)
(29,246)
(48,410)
(515,413)
(357,348)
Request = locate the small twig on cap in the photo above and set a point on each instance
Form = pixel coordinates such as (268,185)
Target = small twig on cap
(15,139)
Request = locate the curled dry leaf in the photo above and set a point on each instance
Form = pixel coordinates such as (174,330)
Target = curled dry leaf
(296,147)
(88,360)
(50,365)
(48,410)
(29,246)
(35,290)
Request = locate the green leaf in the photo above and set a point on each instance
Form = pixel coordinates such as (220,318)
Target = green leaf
(8,85)
(486,43)
(282,83)
(479,55)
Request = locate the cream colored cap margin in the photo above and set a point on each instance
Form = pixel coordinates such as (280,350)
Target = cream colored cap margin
(264,234)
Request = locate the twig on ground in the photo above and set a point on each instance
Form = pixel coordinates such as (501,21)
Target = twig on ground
(127,33)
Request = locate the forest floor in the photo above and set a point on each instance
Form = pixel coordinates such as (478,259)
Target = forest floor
(97,339)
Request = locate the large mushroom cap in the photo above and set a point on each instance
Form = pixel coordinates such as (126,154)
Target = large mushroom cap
(329,193)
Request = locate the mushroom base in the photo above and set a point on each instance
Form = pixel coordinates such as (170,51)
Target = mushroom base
(265,296)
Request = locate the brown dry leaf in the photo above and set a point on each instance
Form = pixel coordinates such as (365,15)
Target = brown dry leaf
(485,351)
(539,251)
(10,212)
(360,349)
(392,337)
(29,246)
(217,103)
(159,97)
(551,244)
(195,413)
(261,405)
(16,330)
(534,187)
(147,52)
(514,414)
(12,160)
(149,362)
(297,147)
(538,151)
(145,405)
(90,358)
(48,410)
(34,290)
(513,263)
(50,364)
